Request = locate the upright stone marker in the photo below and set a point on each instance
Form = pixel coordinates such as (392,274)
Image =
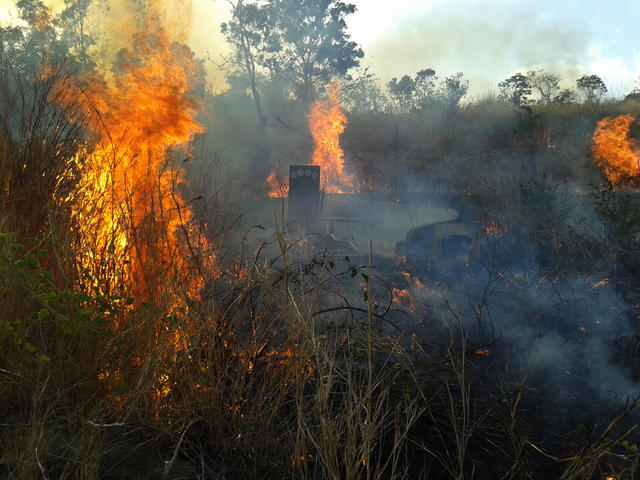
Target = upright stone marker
(304,197)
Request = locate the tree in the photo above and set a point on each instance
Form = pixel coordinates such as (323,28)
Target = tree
(633,96)
(44,39)
(29,44)
(402,92)
(425,87)
(73,22)
(566,95)
(515,89)
(247,31)
(307,43)
(415,93)
(453,89)
(361,92)
(592,87)
(545,84)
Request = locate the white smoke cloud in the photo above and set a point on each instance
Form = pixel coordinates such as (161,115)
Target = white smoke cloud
(489,41)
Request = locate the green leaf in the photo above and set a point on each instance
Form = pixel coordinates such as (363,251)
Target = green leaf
(16,247)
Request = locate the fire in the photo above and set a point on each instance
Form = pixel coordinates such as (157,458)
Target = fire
(327,122)
(410,298)
(296,461)
(136,232)
(135,235)
(602,282)
(403,299)
(493,227)
(614,152)
(417,284)
(277,188)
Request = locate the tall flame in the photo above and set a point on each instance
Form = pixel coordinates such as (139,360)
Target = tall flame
(136,232)
(614,152)
(327,122)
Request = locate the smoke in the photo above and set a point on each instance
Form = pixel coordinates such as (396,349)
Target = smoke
(487,41)
(565,331)
(195,23)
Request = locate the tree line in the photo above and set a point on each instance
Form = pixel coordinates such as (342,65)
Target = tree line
(298,45)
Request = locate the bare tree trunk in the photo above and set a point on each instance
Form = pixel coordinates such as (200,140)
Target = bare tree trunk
(251,72)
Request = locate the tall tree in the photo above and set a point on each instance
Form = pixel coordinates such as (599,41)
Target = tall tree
(515,89)
(73,20)
(402,93)
(36,40)
(308,43)
(247,31)
(547,85)
(425,87)
(453,89)
(592,87)
(414,94)
(361,92)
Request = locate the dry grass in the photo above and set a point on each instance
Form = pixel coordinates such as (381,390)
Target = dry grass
(244,380)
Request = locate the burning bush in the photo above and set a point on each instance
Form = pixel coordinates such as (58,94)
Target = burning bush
(614,152)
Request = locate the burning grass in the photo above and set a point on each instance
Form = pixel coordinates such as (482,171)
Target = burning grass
(131,354)
(326,123)
(614,152)
(131,345)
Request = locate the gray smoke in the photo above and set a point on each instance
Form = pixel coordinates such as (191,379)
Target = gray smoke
(487,41)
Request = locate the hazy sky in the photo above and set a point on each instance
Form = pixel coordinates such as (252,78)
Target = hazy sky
(487,40)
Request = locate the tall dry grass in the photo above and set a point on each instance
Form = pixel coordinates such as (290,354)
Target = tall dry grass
(278,368)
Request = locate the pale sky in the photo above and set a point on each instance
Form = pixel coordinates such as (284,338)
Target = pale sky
(487,40)
(492,39)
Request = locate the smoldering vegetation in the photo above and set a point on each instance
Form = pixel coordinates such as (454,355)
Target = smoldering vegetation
(465,307)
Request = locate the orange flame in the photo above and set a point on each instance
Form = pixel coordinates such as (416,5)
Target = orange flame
(136,231)
(614,152)
(327,122)
(493,227)
(136,235)
(403,299)
(277,188)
